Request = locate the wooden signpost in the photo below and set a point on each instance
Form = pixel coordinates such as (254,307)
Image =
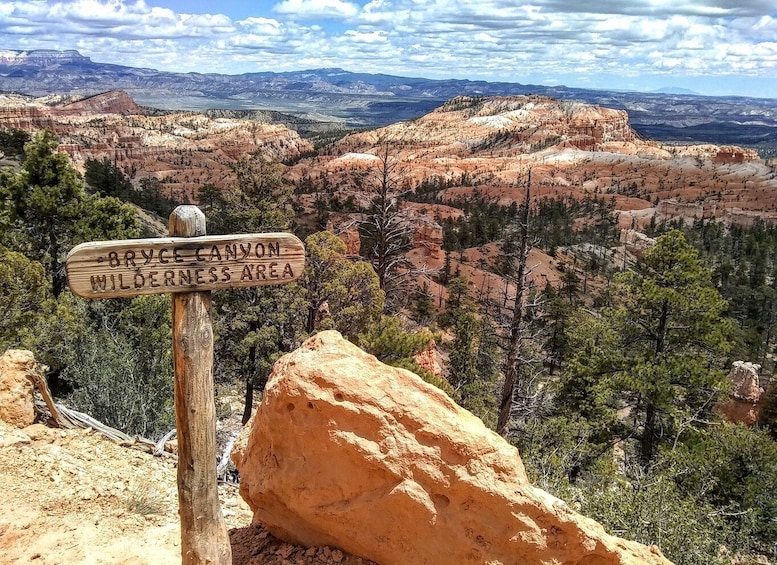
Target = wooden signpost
(189,265)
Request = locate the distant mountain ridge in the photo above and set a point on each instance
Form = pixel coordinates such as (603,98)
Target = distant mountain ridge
(369,100)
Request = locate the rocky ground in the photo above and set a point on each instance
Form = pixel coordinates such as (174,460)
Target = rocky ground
(74,497)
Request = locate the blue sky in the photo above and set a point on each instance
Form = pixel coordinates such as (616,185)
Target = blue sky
(709,46)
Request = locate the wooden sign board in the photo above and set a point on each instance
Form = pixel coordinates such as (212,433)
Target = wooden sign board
(131,267)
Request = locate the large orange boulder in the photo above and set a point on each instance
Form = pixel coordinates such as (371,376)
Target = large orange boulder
(347,452)
(16,401)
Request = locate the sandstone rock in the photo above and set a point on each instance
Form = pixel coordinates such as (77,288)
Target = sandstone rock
(482,147)
(347,452)
(427,235)
(113,102)
(745,376)
(16,401)
(729,155)
(744,405)
(636,242)
(184,150)
(13,437)
(38,432)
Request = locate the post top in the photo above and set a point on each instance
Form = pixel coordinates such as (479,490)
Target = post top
(187,221)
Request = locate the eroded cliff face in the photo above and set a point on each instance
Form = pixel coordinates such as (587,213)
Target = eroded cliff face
(487,146)
(113,102)
(348,452)
(25,117)
(32,114)
(501,126)
(182,150)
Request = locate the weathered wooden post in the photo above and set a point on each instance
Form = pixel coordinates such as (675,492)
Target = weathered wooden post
(204,537)
(189,265)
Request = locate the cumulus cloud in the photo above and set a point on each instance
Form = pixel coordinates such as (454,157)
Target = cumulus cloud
(127,20)
(317,9)
(664,8)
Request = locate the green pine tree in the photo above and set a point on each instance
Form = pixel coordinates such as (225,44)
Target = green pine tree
(45,211)
(673,338)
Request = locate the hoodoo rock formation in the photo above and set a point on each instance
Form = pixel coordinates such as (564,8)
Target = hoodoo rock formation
(484,147)
(182,150)
(347,452)
(16,402)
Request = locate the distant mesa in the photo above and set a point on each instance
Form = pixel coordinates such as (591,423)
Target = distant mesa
(675,90)
(41,57)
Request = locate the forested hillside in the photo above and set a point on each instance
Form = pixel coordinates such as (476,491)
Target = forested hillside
(606,371)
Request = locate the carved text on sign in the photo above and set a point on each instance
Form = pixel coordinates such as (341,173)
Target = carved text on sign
(162,265)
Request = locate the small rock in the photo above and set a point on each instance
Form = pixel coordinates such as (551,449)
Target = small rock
(15,437)
(87,494)
(38,432)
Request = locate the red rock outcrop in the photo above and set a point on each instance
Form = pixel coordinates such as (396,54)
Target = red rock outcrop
(484,147)
(498,125)
(113,102)
(347,452)
(713,209)
(26,118)
(427,236)
(430,360)
(745,404)
(347,230)
(732,155)
(16,400)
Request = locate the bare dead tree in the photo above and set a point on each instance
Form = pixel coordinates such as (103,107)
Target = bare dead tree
(517,331)
(385,227)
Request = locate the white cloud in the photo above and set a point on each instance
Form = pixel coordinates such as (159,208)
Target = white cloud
(259,23)
(371,37)
(113,18)
(317,9)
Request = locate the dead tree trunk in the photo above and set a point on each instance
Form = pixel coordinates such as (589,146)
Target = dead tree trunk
(513,361)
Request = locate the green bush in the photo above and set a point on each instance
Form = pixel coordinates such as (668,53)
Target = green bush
(118,363)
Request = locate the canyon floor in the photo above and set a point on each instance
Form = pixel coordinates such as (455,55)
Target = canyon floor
(73,497)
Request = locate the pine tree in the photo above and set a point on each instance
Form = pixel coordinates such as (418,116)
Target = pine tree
(45,211)
(423,305)
(349,289)
(255,326)
(673,339)
(514,361)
